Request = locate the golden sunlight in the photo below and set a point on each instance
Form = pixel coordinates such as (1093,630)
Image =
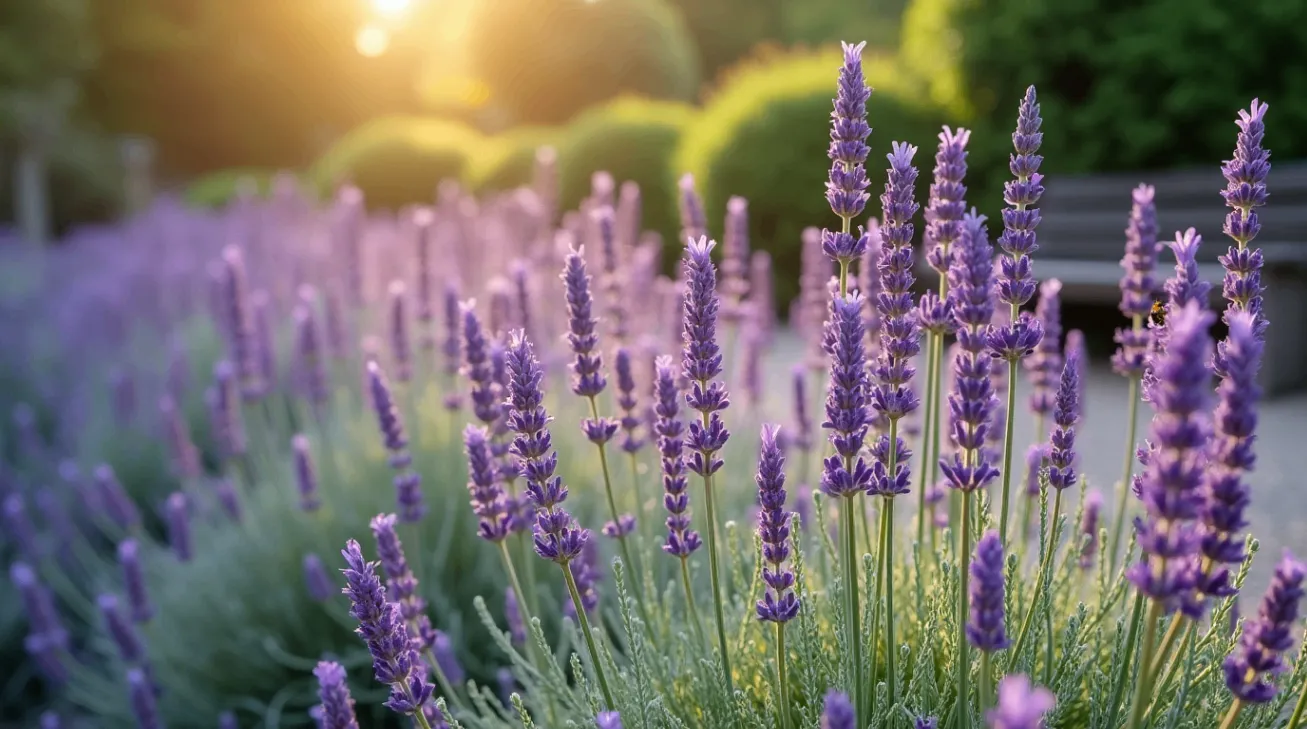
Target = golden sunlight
(391,8)
(371,41)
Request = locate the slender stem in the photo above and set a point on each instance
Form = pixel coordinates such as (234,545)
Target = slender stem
(584,622)
(639,496)
(1123,490)
(1144,682)
(532,649)
(621,537)
(783,688)
(984,687)
(876,603)
(1231,717)
(1298,709)
(716,578)
(926,450)
(937,384)
(1123,666)
(689,600)
(1177,624)
(1185,646)
(887,547)
(964,662)
(443,680)
(1007,443)
(851,601)
(418,716)
(1040,583)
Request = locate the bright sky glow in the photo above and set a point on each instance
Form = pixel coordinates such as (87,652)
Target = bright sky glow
(391,8)
(371,41)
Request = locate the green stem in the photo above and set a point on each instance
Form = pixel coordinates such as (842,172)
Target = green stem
(851,604)
(1007,443)
(964,662)
(1044,566)
(689,600)
(934,341)
(584,622)
(612,509)
(782,689)
(714,573)
(1123,492)
(1231,717)
(1177,623)
(1123,667)
(887,547)
(639,496)
(1298,709)
(984,687)
(1171,670)
(1144,682)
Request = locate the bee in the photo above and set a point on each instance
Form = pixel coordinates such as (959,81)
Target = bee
(1157,314)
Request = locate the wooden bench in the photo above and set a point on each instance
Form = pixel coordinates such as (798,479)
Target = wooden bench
(1082,239)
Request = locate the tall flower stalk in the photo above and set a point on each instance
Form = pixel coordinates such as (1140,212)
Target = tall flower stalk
(1016,283)
(1130,360)
(682,540)
(779,604)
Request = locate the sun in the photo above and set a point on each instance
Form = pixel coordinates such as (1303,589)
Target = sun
(371,41)
(391,8)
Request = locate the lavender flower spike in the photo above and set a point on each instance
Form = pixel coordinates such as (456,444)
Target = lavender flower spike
(985,628)
(179,526)
(489,502)
(587,377)
(381,626)
(693,223)
(401,347)
(946,204)
(779,603)
(838,712)
(682,540)
(627,401)
(1046,363)
(1170,485)
(1138,283)
(802,421)
(1245,191)
(608,720)
(144,708)
(1021,705)
(1061,472)
(443,650)
(1230,456)
(120,631)
(401,585)
(316,580)
(556,534)
(486,398)
(1089,527)
(892,395)
(1016,285)
(306,476)
(134,581)
(408,485)
(1268,636)
(846,190)
(845,473)
(337,708)
(451,346)
(701,359)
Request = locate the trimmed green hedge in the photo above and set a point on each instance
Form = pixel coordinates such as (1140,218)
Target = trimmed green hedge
(633,139)
(546,60)
(397,161)
(765,134)
(216,189)
(508,161)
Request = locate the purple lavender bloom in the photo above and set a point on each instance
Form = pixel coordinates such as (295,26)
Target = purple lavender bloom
(925,722)
(985,627)
(443,650)
(627,401)
(316,580)
(513,616)
(1016,285)
(837,713)
(179,526)
(585,571)
(802,421)
(693,223)
(309,358)
(18,527)
(1061,454)
(1046,363)
(401,347)
(1245,191)
(1184,286)
(408,485)
(337,707)
(224,411)
(1075,347)
(869,286)
(265,345)
(1267,637)
(587,378)
(1036,454)
(144,708)
(1016,339)
(134,581)
(779,603)
(1089,520)
(486,398)
(306,476)
(682,541)
(237,323)
(612,282)
(120,630)
(381,625)
(1138,283)
(521,275)
(701,359)
(186,457)
(489,502)
(735,258)
(434,716)
(451,348)
(624,525)
(1021,705)
(424,222)
(1171,483)
(892,394)
(1230,456)
(225,491)
(123,386)
(556,534)
(401,585)
(845,473)
(334,323)
(846,190)
(506,684)
(762,295)
(608,720)
(817,270)
(947,201)
(42,616)
(50,720)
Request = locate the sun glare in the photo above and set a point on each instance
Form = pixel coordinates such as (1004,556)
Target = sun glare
(371,41)
(390,8)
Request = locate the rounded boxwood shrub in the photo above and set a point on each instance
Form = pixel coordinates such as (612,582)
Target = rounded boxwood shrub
(765,134)
(545,60)
(633,139)
(216,189)
(508,160)
(398,161)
